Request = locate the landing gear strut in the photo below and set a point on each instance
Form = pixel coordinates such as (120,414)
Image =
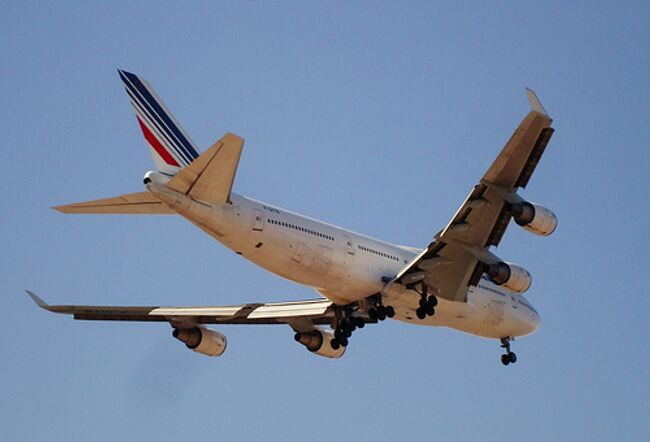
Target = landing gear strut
(509,357)
(343,330)
(427,304)
(346,324)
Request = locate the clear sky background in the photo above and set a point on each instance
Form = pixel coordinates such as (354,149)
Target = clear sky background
(378,116)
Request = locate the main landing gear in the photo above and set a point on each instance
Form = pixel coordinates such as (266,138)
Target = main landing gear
(343,330)
(427,304)
(346,324)
(381,312)
(509,357)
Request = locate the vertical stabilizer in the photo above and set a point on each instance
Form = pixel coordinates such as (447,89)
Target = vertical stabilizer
(171,148)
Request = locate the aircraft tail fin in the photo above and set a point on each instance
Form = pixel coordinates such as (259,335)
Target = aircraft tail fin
(171,147)
(210,177)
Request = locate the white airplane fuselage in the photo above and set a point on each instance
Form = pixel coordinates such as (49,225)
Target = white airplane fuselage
(344,266)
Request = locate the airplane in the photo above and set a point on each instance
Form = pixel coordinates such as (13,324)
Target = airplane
(456,281)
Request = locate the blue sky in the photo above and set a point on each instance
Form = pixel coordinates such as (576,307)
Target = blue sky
(378,116)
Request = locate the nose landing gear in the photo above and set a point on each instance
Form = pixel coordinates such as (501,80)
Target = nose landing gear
(509,357)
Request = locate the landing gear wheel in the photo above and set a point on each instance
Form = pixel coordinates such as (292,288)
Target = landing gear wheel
(429,310)
(344,342)
(509,357)
(381,313)
(421,314)
(335,344)
(390,311)
(432,301)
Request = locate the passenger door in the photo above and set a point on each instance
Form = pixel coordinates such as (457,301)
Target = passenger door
(258,220)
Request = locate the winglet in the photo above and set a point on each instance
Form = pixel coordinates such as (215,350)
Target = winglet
(39,302)
(535,104)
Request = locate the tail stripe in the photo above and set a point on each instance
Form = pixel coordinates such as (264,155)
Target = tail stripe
(176,134)
(144,97)
(153,141)
(163,133)
(145,117)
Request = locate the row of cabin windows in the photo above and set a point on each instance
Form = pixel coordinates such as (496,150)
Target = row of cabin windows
(519,301)
(382,254)
(489,289)
(525,304)
(301,229)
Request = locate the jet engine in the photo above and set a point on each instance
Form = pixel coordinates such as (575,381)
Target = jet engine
(318,341)
(510,276)
(202,340)
(534,218)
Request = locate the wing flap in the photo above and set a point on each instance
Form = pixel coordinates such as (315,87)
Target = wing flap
(508,168)
(139,203)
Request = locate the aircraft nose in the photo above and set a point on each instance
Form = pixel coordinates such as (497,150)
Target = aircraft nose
(535,322)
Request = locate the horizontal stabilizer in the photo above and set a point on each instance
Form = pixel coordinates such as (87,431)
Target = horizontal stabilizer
(143,203)
(210,177)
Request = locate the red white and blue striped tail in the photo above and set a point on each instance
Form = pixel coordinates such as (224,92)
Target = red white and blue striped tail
(171,148)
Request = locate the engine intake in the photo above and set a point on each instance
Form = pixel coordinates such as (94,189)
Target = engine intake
(510,276)
(202,340)
(534,218)
(318,341)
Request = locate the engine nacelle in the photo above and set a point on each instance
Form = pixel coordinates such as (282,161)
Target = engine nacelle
(510,276)
(319,342)
(534,218)
(202,340)
(153,176)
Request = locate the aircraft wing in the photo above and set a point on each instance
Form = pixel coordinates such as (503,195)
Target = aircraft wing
(301,315)
(452,262)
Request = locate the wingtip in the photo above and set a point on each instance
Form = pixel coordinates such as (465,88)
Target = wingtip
(37,300)
(535,103)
